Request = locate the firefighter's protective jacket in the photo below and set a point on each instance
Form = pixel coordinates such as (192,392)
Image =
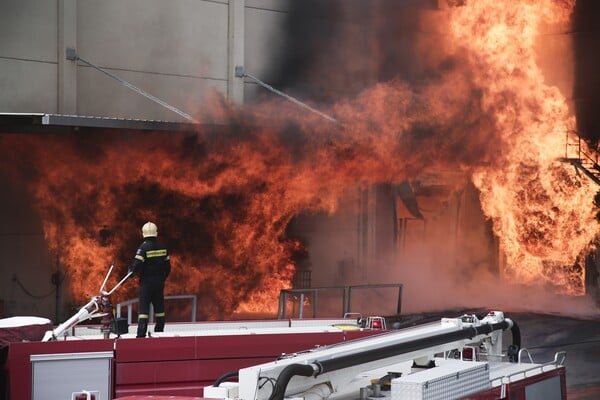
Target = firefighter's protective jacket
(151,262)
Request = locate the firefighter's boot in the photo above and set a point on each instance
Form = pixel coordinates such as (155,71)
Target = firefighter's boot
(160,324)
(142,327)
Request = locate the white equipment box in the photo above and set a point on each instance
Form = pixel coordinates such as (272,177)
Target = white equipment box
(445,381)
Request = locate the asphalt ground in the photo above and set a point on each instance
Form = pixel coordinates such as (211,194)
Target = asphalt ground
(545,334)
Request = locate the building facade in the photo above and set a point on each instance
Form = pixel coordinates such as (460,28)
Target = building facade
(162,61)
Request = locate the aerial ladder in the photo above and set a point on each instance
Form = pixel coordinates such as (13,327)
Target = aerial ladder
(342,370)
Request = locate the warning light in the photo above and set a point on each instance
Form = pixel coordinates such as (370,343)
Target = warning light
(467,354)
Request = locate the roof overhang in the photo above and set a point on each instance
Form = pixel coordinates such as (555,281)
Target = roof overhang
(56,123)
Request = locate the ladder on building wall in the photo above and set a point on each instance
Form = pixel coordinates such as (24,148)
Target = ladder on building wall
(582,158)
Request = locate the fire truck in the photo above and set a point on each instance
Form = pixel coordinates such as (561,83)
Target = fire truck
(453,358)
(461,357)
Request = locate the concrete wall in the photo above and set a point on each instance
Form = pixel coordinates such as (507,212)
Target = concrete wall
(26,266)
(136,41)
(180,51)
(28,56)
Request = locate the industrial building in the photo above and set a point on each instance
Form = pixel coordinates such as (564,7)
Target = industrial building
(130,68)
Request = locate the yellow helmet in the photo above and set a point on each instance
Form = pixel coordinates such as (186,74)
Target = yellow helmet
(149,229)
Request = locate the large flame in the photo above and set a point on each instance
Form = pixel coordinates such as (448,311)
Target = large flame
(540,209)
(223,197)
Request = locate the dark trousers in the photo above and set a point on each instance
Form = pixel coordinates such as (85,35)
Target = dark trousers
(151,292)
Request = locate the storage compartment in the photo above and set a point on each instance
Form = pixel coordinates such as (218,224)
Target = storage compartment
(445,381)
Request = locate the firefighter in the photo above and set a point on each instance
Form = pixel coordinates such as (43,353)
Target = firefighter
(153,266)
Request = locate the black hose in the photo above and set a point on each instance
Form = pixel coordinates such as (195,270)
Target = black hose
(513,350)
(516,334)
(225,376)
(286,375)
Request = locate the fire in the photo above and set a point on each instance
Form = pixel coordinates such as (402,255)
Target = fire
(222,199)
(541,210)
(223,222)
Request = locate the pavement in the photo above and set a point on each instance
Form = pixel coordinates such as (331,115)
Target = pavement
(545,334)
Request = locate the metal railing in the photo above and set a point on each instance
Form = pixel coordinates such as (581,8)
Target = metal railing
(129,304)
(299,296)
(503,381)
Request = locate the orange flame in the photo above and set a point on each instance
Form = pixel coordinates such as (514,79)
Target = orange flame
(542,212)
(222,200)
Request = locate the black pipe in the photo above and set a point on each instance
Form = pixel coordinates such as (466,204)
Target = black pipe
(513,349)
(225,376)
(516,335)
(55,279)
(406,347)
(284,378)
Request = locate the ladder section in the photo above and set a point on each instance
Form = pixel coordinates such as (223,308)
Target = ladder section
(581,156)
